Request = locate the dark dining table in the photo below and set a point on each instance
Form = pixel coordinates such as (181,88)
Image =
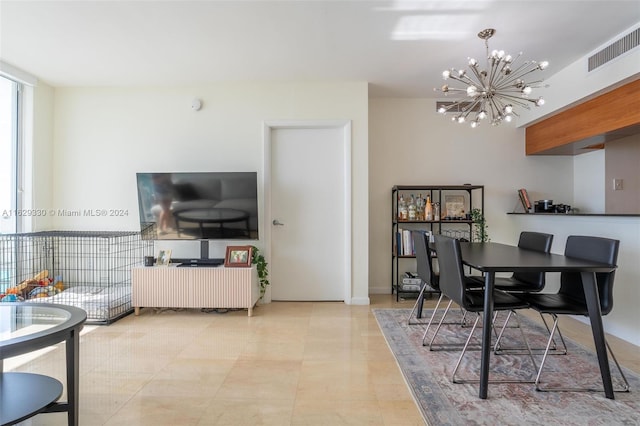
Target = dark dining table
(491,258)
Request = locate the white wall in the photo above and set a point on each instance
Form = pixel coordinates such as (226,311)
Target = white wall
(103,136)
(589,181)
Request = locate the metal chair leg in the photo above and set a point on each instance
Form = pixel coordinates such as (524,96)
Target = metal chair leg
(497,349)
(625,386)
(444,314)
(415,306)
(464,349)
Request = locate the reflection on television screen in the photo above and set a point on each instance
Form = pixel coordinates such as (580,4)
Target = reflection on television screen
(198,205)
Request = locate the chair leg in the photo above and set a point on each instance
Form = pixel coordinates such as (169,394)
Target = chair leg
(625,386)
(415,306)
(440,324)
(497,349)
(524,338)
(444,314)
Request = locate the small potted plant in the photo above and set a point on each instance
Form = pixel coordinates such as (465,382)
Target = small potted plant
(263,272)
(480,233)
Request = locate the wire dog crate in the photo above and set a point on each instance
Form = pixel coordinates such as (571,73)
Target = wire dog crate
(89,270)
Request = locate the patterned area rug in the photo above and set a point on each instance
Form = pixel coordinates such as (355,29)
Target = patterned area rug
(442,402)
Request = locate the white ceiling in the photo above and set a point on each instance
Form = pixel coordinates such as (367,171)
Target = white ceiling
(399,47)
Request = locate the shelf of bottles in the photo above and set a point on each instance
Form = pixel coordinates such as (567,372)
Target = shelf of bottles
(431,209)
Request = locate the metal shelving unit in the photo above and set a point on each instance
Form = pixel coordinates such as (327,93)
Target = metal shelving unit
(454,226)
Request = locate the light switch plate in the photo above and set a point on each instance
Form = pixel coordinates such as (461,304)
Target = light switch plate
(617,184)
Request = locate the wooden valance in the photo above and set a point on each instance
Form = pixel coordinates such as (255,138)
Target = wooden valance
(588,125)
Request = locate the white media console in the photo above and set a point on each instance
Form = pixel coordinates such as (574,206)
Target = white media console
(199,287)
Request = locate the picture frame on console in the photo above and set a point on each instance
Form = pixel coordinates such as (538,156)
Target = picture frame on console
(164,258)
(238,256)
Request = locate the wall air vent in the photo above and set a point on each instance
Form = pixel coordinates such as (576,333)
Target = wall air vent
(615,49)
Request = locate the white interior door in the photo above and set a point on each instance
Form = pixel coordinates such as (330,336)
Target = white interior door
(308,225)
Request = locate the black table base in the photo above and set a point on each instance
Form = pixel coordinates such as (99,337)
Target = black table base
(23,395)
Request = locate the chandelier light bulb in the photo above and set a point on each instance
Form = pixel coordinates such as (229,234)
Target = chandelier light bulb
(493,90)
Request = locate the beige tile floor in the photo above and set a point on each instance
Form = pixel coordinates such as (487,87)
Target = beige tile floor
(290,364)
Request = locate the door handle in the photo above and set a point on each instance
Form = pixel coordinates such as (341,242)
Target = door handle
(276,222)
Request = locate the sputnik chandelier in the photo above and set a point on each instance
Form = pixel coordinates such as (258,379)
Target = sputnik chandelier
(493,92)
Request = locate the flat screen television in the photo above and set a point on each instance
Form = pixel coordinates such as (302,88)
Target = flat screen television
(198,205)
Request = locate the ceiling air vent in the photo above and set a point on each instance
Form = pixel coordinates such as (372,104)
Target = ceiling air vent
(615,49)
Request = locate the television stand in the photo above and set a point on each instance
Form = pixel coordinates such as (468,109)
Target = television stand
(213,288)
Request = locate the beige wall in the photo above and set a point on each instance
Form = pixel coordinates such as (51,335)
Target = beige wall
(622,161)
(103,136)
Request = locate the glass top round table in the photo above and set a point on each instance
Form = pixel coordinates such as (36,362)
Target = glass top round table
(26,327)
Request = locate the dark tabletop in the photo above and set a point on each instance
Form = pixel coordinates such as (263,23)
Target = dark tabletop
(496,257)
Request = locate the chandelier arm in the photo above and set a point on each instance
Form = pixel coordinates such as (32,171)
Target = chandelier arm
(458,90)
(495,112)
(494,75)
(470,106)
(517,100)
(520,72)
(449,107)
(509,80)
(464,80)
(481,82)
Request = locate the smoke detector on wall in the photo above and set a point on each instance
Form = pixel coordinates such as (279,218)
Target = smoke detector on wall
(196,104)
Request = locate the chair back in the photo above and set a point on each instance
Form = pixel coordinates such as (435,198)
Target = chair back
(596,249)
(537,241)
(452,277)
(423,259)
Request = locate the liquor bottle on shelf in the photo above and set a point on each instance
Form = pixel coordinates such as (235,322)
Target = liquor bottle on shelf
(403,213)
(436,211)
(412,208)
(420,207)
(428,209)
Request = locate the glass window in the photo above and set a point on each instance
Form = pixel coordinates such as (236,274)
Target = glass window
(9,116)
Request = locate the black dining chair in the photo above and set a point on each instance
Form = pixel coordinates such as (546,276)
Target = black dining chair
(453,285)
(520,282)
(430,280)
(570,298)
(425,260)
(424,270)
(527,281)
